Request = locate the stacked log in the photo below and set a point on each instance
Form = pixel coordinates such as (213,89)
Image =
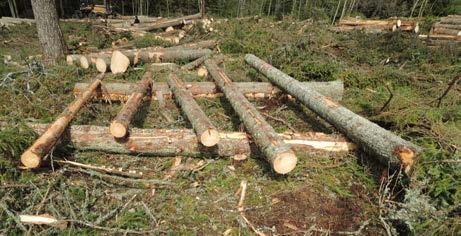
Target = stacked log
(170,22)
(446,31)
(377,26)
(12,21)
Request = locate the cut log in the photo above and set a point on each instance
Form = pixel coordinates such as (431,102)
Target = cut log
(168,66)
(73,60)
(276,151)
(32,157)
(170,22)
(210,44)
(103,63)
(445,37)
(194,64)
(255,90)
(388,147)
(184,142)
(451,20)
(205,130)
(119,126)
(44,219)
(446,31)
(447,26)
(120,62)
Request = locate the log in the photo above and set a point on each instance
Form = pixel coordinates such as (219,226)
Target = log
(119,126)
(184,142)
(170,22)
(256,90)
(276,151)
(445,37)
(32,157)
(44,219)
(206,132)
(447,26)
(103,63)
(446,31)
(451,20)
(194,64)
(386,146)
(210,44)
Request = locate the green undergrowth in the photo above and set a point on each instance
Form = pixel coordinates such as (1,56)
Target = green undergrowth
(203,201)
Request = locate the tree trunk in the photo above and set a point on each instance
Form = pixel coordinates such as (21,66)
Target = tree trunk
(121,91)
(202,9)
(206,132)
(276,151)
(389,148)
(32,157)
(170,22)
(119,126)
(49,31)
(183,142)
(12,10)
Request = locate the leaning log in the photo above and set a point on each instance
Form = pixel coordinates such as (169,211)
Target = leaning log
(255,90)
(388,147)
(32,157)
(170,22)
(119,126)
(184,142)
(205,130)
(276,151)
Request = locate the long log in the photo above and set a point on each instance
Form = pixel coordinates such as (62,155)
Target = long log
(184,142)
(446,31)
(276,151)
(205,130)
(388,147)
(451,20)
(32,157)
(210,44)
(170,22)
(445,37)
(447,26)
(119,126)
(121,91)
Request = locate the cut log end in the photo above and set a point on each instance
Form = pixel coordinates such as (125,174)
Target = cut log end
(406,157)
(101,65)
(119,63)
(84,62)
(210,137)
(69,60)
(30,159)
(285,162)
(118,130)
(202,72)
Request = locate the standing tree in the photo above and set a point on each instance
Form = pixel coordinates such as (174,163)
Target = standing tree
(49,31)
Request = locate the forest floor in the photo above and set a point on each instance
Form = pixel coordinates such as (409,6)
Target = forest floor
(327,193)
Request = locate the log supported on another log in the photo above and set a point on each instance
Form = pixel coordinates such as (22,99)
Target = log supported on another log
(184,142)
(277,152)
(205,130)
(119,126)
(388,147)
(170,22)
(256,90)
(32,157)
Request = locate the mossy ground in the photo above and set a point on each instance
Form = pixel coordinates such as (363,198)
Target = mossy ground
(325,193)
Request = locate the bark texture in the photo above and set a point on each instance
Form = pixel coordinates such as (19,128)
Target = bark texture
(119,126)
(205,130)
(121,91)
(184,142)
(276,151)
(32,157)
(388,147)
(49,32)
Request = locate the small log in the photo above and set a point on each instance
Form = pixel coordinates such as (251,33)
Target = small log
(194,64)
(447,26)
(184,142)
(210,44)
(119,126)
(170,22)
(32,157)
(388,147)
(44,219)
(205,130)
(276,151)
(451,20)
(167,66)
(445,37)
(73,60)
(255,90)
(103,63)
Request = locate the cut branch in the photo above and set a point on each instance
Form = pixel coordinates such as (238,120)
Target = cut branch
(276,151)
(388,147)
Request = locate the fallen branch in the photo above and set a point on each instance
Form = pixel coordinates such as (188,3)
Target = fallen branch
(44,219)
(450,86)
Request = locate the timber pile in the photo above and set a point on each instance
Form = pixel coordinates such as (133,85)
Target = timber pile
(446,31)
(376,26)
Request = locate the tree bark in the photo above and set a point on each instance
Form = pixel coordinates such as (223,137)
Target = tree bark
(32,157)
(49,32)
(389,148)
(183,142)
(119,126)
(170,22)
(276,151)
(121,91)
(205,130)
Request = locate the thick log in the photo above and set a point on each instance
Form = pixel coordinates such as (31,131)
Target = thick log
(32,157)
(205,130)
(256,90)
(451,20)
(184,142)
(388,147)
(170,22)
(276,151)
(446,31)
(119,126)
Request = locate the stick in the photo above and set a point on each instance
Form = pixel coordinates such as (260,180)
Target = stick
(102,169)
(44,219)
(450,86)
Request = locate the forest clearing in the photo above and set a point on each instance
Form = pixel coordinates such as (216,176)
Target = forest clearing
(276,119)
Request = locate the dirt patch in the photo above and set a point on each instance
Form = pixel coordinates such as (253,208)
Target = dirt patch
(294,213)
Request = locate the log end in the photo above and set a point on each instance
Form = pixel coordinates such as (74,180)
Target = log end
(202,72)
(406,157)
(69,60)
(101,65)
(118,130)
(210,138)
(84,62)
(119,63)
(30,159)
(285,162)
